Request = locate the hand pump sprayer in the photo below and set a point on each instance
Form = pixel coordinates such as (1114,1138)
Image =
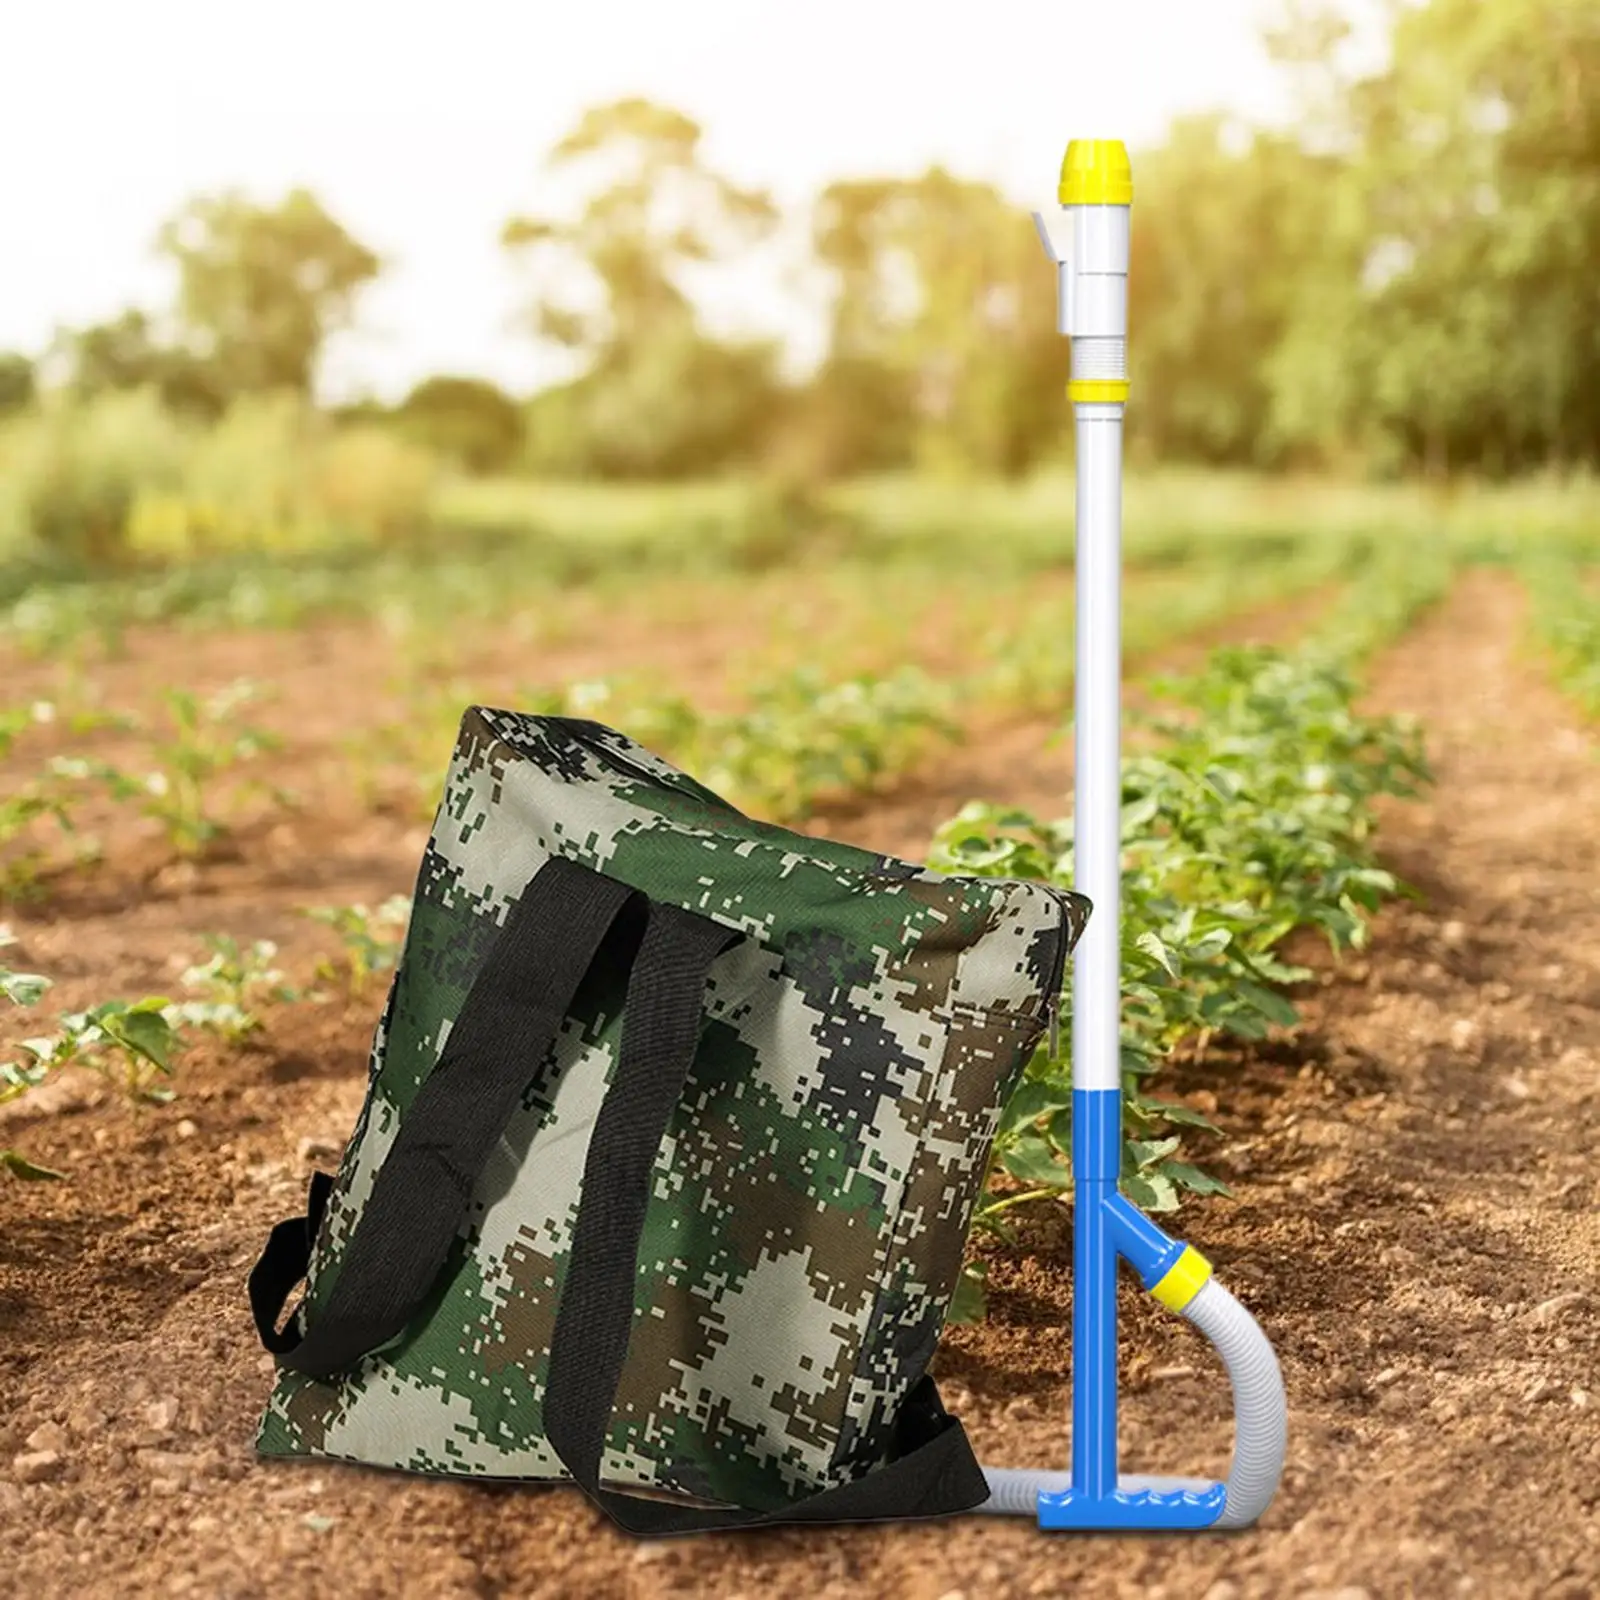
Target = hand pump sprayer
(1088,241)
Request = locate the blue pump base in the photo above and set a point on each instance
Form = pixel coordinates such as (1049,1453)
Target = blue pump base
(1107,1227)
(1128,1509)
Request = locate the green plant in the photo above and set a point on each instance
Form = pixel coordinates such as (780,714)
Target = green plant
(235,980)
(24,804)
(1252,815)
(371,939)
(1250,818)
(17,1078)
(804,737)
(1564,618)
(128,1043)
(204,745)
(44,796)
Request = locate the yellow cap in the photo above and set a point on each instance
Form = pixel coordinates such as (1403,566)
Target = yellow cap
(1096,172)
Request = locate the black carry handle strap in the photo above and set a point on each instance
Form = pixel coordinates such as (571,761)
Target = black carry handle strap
(933,1471)
(505,1028)
(283,1264)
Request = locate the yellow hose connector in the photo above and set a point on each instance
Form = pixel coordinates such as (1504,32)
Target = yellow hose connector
(1096,172)
(1183,1281)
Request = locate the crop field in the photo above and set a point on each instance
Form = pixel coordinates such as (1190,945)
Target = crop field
(1361,1023)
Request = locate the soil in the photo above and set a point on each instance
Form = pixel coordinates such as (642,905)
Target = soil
(1416,1222)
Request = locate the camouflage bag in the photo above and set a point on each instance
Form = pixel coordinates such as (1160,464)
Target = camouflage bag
(674,1126)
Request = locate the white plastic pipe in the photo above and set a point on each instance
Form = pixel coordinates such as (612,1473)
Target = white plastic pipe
(1097,806)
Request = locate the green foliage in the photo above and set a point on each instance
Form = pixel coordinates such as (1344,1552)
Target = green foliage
(18,1077)
(856,415)
(23,804)
(230,985)
(43,796)
(106,486)
(1399,275)
(1226,224)
(627,417)
(969,1303)
(1398,583)
(203,744)
(803,736)
(371,939)
(1250,817)
(276,475)
(74,474)
(1448,316)
(656,397)
(660,210)
(262,287)
(17,381)
(20,988)
(942,343)
(132,352)
(128,1043)
(1564,616)
(467,420)
(18,1165)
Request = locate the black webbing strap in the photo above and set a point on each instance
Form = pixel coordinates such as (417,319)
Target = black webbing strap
(933,1471)
(505,1028)
(283,1264)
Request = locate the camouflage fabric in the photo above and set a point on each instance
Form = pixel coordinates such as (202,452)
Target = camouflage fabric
(811,1199)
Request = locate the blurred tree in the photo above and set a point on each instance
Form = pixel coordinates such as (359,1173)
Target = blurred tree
(854,415)
(128,352)
(679,406)
(367,410)
(17,382)
(942,338)
(655,395)
(262,287)
(467,419)
(120,354)
(1452,315)
(1225,224)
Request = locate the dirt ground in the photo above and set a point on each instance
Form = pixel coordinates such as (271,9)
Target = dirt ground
(1416,1222)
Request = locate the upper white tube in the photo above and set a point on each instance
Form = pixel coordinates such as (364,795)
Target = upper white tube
(1097,811)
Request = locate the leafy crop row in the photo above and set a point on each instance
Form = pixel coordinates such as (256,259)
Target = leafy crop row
(801,735)
(185,782)
(804,734)
(1564,614)
(134,1045)
(1033,671)
(1251,816)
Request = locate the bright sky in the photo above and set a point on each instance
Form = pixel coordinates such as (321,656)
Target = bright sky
(422,126)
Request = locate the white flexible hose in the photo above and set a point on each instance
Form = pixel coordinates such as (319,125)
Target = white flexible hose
(1260,1408)
(1261,1429)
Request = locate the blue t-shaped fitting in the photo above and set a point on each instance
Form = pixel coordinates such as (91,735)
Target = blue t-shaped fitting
(1104,1226)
